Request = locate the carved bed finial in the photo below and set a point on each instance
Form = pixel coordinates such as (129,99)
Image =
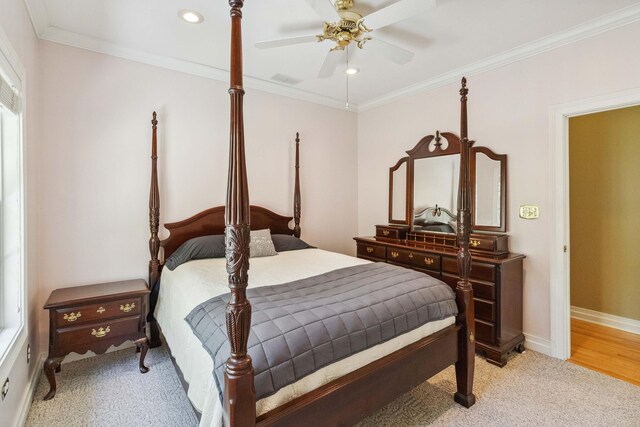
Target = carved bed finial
(236,7)
(463,90)
(297,204)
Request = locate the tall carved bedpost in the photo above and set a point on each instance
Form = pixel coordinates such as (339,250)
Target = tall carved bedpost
(239,390)
(154,224)
(297,206)
(464,293)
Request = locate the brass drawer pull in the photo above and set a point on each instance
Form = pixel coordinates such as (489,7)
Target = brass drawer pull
(101,332)
(100,310)
(72,317)
(410,256)
(128,307)
(369,249)
(474,243)
(394,254)
(385,232)
(429,261)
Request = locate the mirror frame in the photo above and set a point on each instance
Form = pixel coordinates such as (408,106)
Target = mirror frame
(502,158)
(421,151)
(404,160)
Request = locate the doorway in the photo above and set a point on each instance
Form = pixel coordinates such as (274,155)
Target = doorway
(559,251)
(604,256)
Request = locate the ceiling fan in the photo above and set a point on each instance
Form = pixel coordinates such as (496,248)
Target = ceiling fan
(353,28)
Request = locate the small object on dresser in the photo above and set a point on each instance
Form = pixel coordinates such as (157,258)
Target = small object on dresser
(95,317)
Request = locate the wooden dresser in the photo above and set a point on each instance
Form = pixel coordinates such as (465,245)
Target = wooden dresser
(496,280)
(95,317)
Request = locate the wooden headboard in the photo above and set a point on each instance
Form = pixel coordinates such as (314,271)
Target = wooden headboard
(210,221)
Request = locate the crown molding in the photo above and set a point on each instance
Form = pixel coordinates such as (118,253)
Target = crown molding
(44,30)
(588,29)
(39,15)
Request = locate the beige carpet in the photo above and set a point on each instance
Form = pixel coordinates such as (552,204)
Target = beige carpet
(532,389)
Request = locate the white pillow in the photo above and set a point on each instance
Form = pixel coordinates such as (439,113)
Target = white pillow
(261,244)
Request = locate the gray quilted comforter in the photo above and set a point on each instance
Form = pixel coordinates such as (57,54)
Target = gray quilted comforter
(302,326)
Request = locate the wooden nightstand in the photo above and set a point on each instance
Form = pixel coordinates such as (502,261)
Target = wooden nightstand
(95,317)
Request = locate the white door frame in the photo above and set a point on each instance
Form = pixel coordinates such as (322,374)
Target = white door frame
(559,268)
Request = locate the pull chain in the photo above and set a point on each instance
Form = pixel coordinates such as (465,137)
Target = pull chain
(347,74)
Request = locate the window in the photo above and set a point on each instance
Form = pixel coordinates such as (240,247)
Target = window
(12,289)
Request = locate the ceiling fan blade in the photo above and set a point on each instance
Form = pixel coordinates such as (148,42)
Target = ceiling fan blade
(286,42)
(331,62)
(324,9)
(397,12)
(389,51)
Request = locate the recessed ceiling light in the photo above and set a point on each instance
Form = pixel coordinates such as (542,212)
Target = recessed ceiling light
(352,71)
(191,16)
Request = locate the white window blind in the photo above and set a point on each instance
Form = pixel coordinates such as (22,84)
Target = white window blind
(8,96)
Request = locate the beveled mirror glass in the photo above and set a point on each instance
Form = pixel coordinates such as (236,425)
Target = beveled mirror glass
(435,193)
(398,179)
(489,189)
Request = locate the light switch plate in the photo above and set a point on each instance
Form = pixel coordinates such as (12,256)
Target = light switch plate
(529,212)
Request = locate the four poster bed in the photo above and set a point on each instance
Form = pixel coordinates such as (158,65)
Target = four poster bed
(349,386)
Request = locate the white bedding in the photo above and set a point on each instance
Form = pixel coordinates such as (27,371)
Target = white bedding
(197,281)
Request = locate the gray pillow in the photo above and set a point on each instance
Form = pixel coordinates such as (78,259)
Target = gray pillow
(197,248)
(261,244)
(285,242)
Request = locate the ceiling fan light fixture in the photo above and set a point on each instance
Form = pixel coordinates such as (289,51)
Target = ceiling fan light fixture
(352,71)
(191,16)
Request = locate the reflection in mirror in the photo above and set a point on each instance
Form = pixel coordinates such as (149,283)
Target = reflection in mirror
(435,192)
(488,191)
(399,194)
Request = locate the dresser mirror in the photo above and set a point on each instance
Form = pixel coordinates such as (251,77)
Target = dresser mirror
(398,190)
(489,189)
(423,188)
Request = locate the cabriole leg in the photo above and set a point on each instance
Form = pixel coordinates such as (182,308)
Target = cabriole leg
(50,366)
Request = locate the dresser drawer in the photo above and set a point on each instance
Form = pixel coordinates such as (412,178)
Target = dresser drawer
(484,310)
(435,274)
(98,312)
(399,257)
(480,289)
(479,270)
(71,336)
(369,250)
(485,332)
(391,232)
(492,243)
(425,261)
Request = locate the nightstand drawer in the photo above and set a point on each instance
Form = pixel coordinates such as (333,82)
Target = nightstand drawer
(81,334)
(97,312)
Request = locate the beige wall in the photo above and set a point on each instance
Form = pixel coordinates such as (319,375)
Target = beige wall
(95,165)
(509,113)
(604,164)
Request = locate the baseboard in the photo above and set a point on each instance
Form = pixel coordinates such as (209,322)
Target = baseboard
(33,385)
(610,320)
(541,345)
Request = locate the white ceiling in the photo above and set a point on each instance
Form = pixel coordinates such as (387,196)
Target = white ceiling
(458,36)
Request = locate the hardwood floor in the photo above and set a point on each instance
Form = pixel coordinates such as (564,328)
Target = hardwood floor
(610,351)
